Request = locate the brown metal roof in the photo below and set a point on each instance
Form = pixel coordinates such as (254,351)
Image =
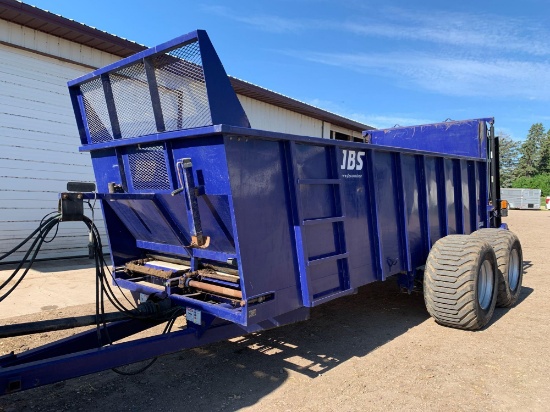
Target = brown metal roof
(47,22)
(42,20)
(277,99)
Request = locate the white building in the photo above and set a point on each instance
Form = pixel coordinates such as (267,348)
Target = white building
(39,52)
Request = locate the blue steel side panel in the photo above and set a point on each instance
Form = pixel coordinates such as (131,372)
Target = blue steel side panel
(466,204)
(263,221)
(449,138)
(458,200)
(317,201)
(311,161)
(366,212)
(423,203)
(215,217)
(359,233)
(434,217)
(225,107)
(442,196)
(107,169)
(401,207)
(209,164)
(384,182)
(450,197)
(122,243)
(162,219)
(414,230)
(373,213)
(254,133)
(145,221)
(474,196)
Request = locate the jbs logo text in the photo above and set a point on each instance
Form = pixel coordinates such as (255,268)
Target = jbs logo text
(352,160)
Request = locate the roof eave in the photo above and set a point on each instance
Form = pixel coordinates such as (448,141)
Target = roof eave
(54,24)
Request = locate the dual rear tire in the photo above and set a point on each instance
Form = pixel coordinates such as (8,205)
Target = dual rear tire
(466,276)
(509,255)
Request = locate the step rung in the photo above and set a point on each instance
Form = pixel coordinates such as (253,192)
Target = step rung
(319,181)
(327,259)
(309,222)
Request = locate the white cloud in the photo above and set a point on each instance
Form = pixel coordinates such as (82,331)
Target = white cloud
(482,33)
(465,31)
(265,22)
(463,54)
(447,74)
(376,121)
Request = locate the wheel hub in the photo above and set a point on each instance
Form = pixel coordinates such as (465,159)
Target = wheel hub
(485,284)
(513,270)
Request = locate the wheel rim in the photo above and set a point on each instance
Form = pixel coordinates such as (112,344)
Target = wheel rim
(485,285)
(513,270)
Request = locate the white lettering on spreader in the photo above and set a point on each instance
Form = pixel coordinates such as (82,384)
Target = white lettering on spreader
(352,160)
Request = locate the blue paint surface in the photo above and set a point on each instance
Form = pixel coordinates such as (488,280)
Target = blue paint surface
(307,219)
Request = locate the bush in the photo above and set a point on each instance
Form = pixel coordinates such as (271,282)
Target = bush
(541,182)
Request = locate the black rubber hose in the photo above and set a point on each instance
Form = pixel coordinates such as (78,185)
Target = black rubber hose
(38,243)
(38,229)
(100,272)
(47,227)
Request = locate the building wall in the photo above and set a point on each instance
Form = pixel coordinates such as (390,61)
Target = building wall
(38,137)
(266,116)
(24,37)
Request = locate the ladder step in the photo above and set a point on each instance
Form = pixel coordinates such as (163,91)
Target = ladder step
(309,222)
(319,181)
(324,259)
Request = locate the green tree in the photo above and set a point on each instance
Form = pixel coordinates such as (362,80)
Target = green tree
(541,181)
(530,151)
(509,157)
(544,160)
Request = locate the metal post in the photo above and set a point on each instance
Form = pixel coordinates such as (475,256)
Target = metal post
(195,225)
(494,177)
(111,107)
(154,93)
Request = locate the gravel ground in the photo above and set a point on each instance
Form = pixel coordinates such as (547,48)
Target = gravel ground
(377,350)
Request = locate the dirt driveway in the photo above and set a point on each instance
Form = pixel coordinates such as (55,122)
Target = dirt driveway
(377,350)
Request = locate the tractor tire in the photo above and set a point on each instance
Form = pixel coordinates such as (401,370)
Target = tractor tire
(460,282)
(509,255)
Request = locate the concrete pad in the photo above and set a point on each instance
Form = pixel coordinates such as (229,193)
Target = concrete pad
(50,285)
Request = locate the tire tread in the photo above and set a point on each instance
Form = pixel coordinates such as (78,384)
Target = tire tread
(450,278)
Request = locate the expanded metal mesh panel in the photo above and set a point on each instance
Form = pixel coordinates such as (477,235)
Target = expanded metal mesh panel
(97,115)
(148,169)
(133,101)
(182,88)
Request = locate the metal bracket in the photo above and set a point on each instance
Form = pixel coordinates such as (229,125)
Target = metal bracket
(71,207)
(185,174)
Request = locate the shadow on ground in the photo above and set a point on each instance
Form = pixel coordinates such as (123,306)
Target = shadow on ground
(233,374)
(501,312)
(527,264)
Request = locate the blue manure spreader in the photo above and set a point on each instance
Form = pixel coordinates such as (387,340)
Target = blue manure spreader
(241,230)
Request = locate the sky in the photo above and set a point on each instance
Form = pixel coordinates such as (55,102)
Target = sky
(380,62)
